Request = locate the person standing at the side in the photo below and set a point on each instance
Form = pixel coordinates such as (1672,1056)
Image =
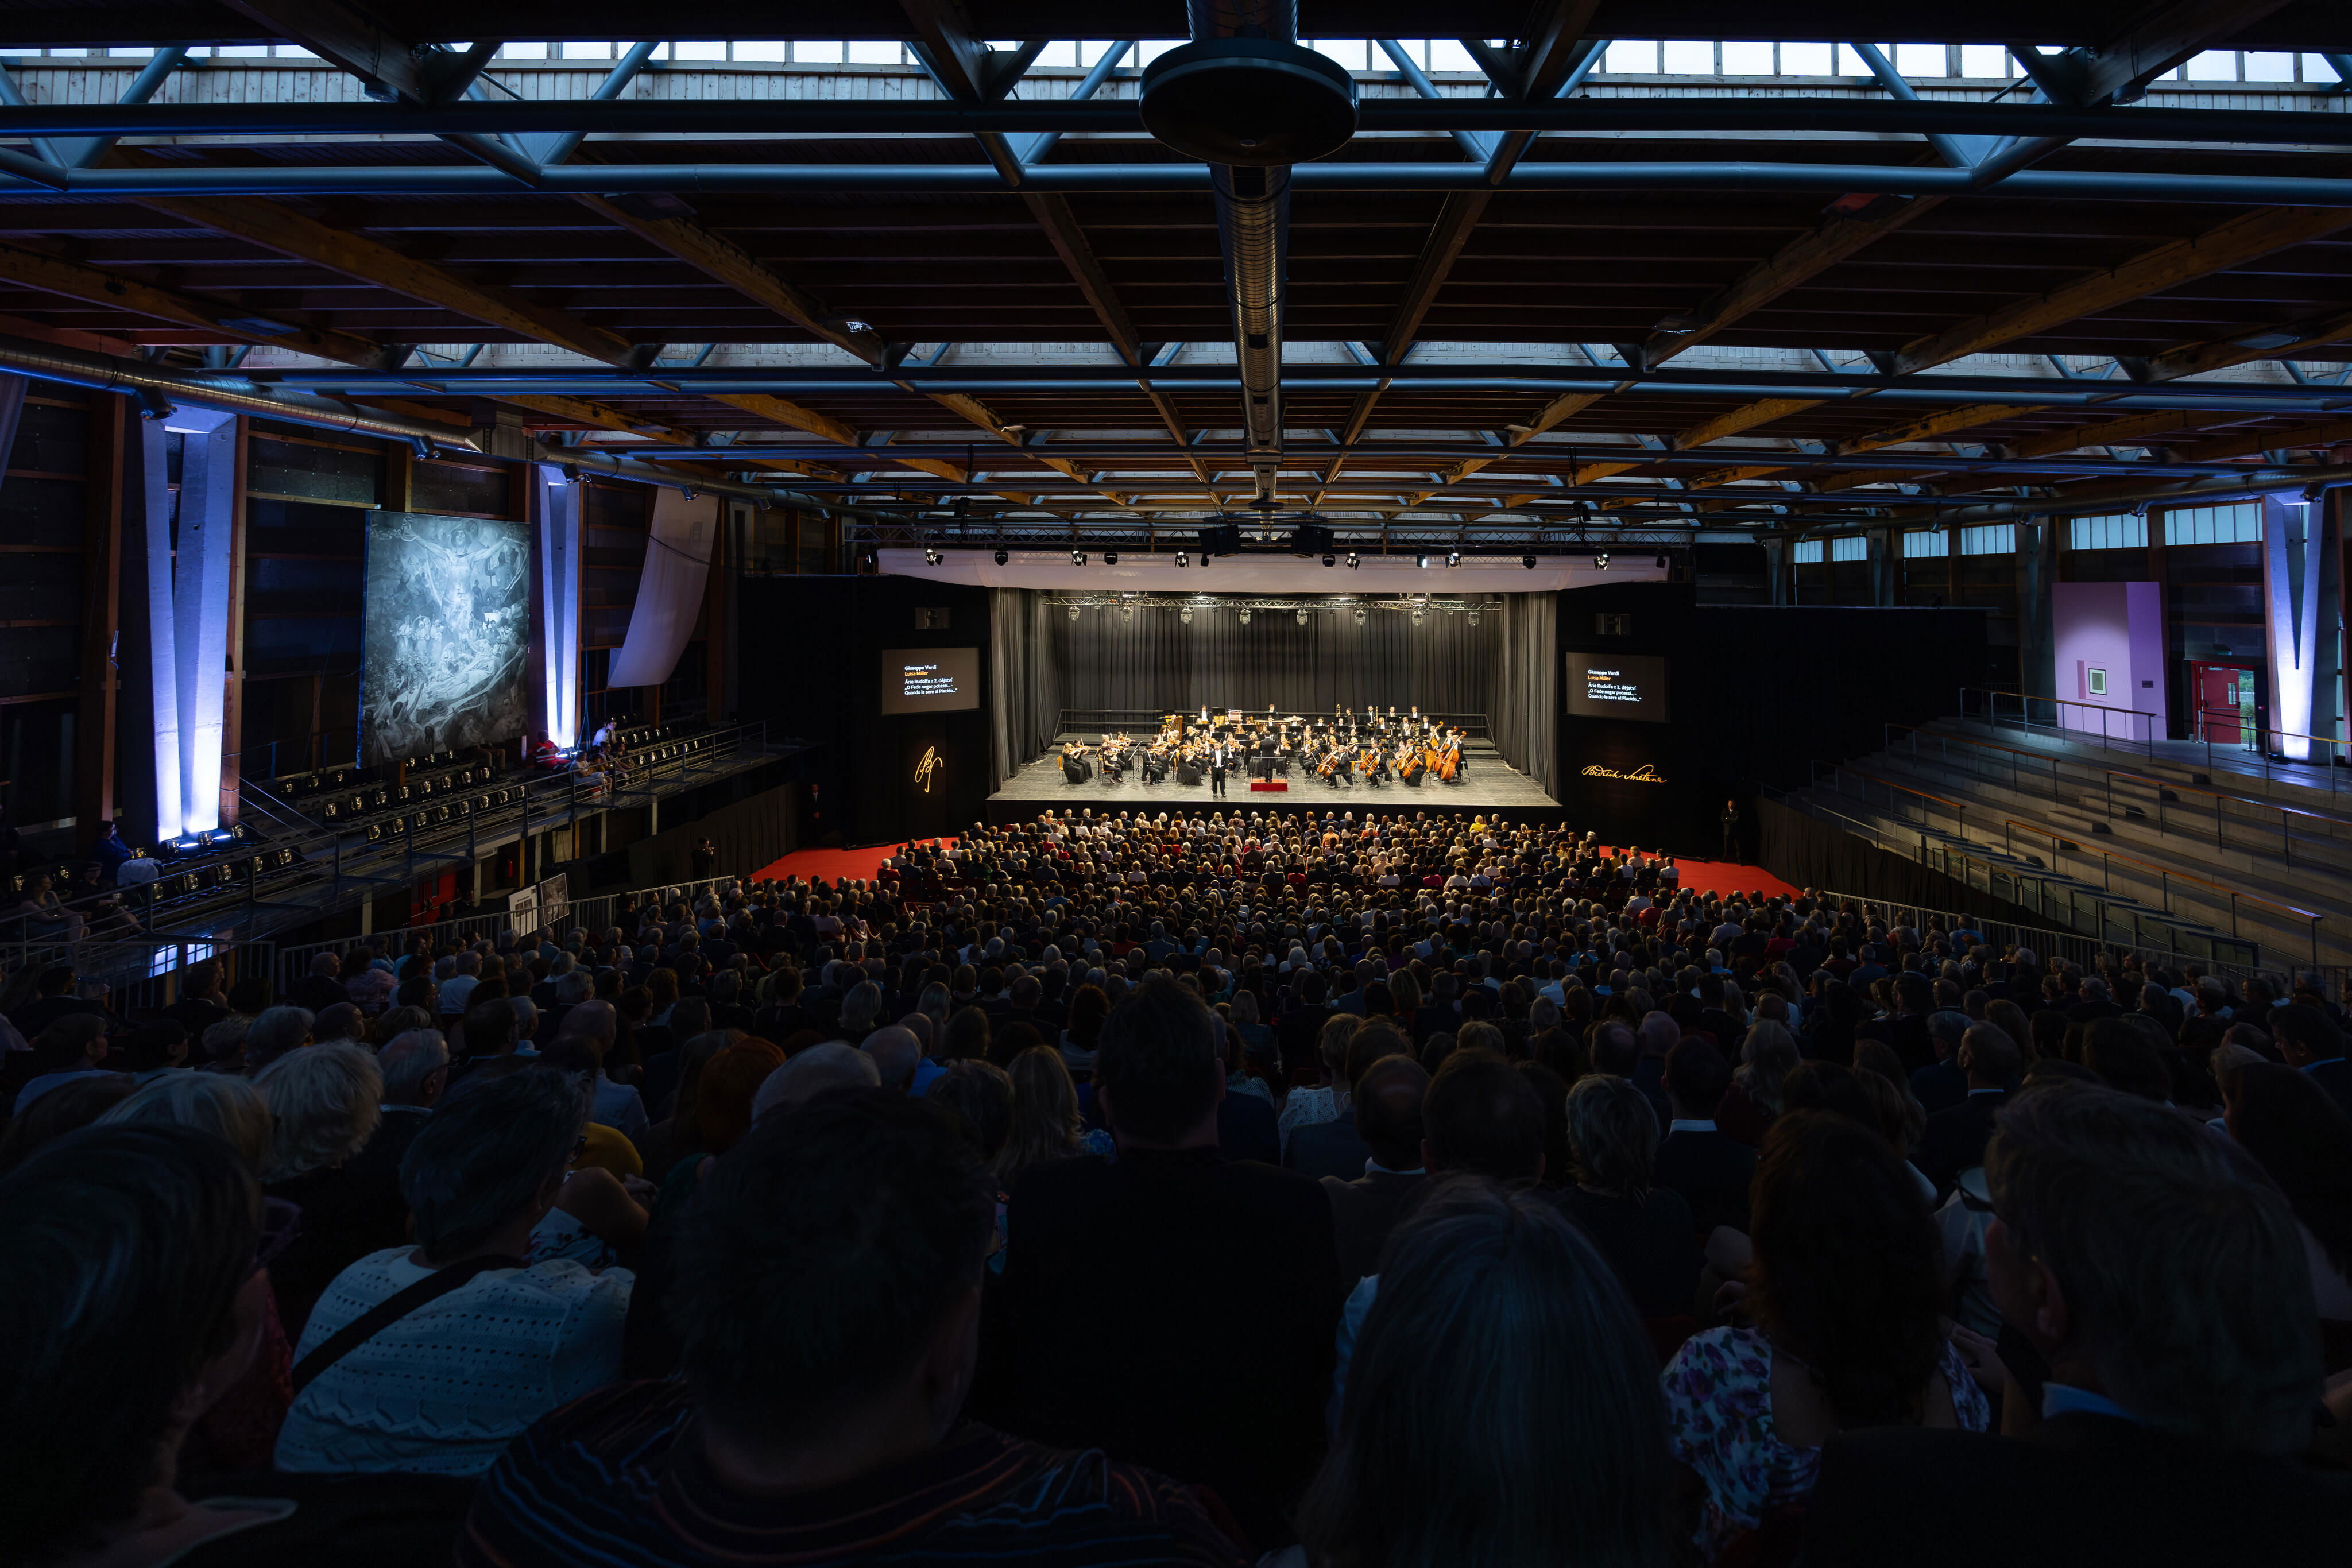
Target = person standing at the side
(1217,772)
(1731,830)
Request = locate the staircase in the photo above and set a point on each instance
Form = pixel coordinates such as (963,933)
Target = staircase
(2158,852)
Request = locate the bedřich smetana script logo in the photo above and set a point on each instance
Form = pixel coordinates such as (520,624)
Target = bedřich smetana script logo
(1644,774)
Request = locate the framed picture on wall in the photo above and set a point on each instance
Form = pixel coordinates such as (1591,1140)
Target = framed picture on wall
(2096,683)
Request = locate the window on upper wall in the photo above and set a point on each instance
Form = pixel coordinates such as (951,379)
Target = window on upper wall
(1923,542)
(1631,56)
(1989,538)
(1808,551)
(2241,524)
(2114,530)
(1819,59)
(1851,547)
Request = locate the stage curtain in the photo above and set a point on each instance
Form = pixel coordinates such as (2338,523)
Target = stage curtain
(1157,661)
(669,595)
(1526,687)
(1024,684)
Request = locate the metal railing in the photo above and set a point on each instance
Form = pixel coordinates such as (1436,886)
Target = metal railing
(2045,943)
(1136,720)
(2164,790)
(134,974)
(1999,708)
(2259,742)
(2165,876)
(594,914)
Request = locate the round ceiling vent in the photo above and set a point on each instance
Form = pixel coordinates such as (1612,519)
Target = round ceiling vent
(1250,101)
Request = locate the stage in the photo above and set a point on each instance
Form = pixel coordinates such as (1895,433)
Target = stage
(1487,784)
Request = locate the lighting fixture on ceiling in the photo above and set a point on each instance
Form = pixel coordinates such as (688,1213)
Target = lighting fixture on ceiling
(1074,613)
(1328,560)
(930,555)
(1528,561)
(1454,557)
(1661,562)
(1473,618)
(1077,557)
(1110,557)
(1244,614)
(1127,614)
(1182,560)
(1185,615)
(1302,618)
(1417,614)
(1422,561)
(1355,561)
(1360,615)
(1601,560)
(1002,558)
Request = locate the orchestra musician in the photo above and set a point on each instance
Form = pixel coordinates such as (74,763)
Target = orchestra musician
(1076,769)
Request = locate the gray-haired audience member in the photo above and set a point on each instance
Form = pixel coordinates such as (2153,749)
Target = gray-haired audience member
(897,1053)
(835,1064)
(274,1033)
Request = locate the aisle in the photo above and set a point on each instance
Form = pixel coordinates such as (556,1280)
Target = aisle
(1730,876)
(832,864)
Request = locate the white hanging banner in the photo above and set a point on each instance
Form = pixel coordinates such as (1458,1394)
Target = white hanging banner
(669,593)
(558,595)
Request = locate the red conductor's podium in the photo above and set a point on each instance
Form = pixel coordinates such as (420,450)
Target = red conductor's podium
(1269,786)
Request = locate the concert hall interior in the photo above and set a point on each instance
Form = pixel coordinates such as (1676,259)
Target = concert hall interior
(1035,781)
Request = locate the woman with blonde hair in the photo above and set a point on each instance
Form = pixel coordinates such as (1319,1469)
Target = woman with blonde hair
(324,1102)
(1753,1101)
(1046,1125)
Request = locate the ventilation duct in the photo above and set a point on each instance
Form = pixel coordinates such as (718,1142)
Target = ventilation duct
(1246,98)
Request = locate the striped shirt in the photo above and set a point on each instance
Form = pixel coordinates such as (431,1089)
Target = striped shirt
(618,1478)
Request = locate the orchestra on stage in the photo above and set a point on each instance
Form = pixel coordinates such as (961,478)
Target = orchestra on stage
(1344,750)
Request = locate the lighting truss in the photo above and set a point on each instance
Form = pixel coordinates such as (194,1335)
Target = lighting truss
(1187,605)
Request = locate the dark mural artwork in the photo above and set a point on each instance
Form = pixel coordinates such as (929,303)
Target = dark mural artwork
(447,634)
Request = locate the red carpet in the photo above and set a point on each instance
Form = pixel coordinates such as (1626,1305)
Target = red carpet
(833,865)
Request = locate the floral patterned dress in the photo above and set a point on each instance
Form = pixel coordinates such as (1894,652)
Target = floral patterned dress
(1718,1392)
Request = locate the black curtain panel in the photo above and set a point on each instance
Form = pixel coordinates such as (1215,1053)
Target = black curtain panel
(1526,687)
(1025,695)
(1156,660)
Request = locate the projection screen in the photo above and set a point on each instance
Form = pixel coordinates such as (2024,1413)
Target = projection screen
(445,635)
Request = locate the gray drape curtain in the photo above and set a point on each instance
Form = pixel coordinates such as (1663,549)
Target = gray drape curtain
(1157,661)
(1025,679)
(1526,687)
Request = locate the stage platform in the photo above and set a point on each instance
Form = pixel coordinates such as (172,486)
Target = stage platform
(1487,784)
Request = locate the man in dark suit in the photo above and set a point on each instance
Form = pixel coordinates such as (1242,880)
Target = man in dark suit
(1217,760)
(1957,1135)
(1712,1170)
(1945,1084)
(1364,1209)
(2127,1231)
(1174,1309)
(2310,1041)
(1299,1027)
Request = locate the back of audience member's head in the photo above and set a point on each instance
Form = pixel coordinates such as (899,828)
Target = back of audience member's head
(980,1095)
(324,1103)
(1829,1086)
(1615,1048)
(68,1108)
(1160,1068)
(496,1149)
(2299,1133)
(415,1067)
(275,1033)
(2151,1259)
(1046,1120)
(833,1256)
(1848,1265)
(1697,1076)
(2119,1053)
(2304,1034)
(1990,1057)
(820,1070)
(1388,1109)
(489,1029)
(339,1022)
(897,1054)
(231,1109)
(1482,1116)
(1612,1132)
(726,1087)
(128,1302)
(1498,1407)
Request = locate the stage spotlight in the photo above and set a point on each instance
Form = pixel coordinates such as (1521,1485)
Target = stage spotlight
(1360,615)
(1417,614)
(1181,561)
(1302,618)
(1601,560)
(1328,560)
(1110,557)
(1454,557)
(1528,561)
(1355,561)
(1244,614)
(1422,561)
(1473,618)
(1002,558)
(930,556)
(1185,615)
(1074,613)
(1661,562)
(1077,557)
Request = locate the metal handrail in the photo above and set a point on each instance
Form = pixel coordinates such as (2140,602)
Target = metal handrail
(2025,712)
(2204,734)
